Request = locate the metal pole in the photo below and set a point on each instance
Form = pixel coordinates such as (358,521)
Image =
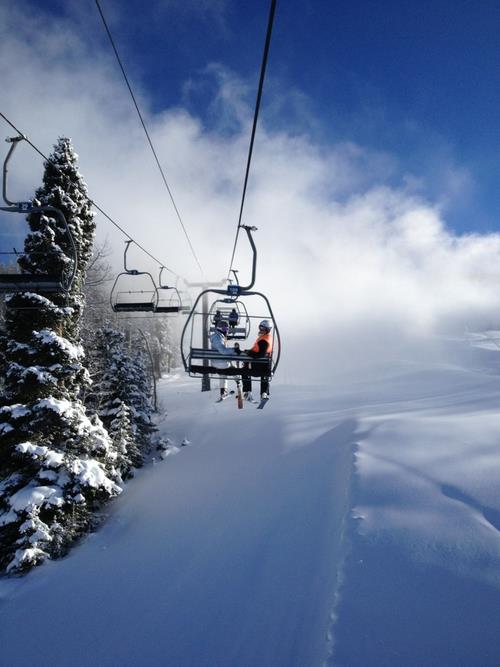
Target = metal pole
(205,380)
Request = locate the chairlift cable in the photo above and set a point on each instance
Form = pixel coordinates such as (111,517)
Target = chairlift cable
(254,127)
(147,133)
(92,202)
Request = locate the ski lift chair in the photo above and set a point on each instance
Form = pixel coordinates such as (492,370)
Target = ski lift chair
(164,304)
(200,359)
(132,303)
(197,360)
(199,364)
(24,282)
(235,313)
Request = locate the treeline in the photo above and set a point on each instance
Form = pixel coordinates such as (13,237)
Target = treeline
(76,401)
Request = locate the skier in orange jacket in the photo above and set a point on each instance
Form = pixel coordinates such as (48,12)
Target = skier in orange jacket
(263,347)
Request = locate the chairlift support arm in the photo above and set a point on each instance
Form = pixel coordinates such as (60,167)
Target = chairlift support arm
(14,141)
(169,287)
(236,289)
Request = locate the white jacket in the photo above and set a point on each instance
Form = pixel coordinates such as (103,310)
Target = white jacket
(218,343)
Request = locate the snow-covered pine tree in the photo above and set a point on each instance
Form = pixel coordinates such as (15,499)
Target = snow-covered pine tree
(121,379)
(4,268)
(139,397)
(3,347)
(164,334)
(108,362)
(121,433)
(97,313)
(56,464)
(167,334)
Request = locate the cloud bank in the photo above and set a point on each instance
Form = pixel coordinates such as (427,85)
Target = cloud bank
(355,266)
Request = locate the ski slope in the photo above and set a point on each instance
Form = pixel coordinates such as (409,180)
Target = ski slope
(351,524)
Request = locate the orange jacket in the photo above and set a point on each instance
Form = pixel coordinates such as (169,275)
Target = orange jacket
(259,349)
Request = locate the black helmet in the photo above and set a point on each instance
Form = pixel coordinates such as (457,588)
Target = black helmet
(222,325)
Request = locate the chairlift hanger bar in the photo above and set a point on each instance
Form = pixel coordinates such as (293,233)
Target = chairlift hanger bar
(235,289)
(254,126)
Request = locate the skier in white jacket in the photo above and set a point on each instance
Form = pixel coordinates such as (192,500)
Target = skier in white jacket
(218,342)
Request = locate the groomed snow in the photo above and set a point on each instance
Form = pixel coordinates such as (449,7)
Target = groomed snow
(355,524)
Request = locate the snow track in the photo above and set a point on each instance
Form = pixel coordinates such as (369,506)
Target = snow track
(257,546)
(225,554)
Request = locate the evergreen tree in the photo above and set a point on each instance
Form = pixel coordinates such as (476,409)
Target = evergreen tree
(139,395)
(121,433)
(164,337)
(56,464)
(4,268)
(3,347)
(97,313)
(167,334)
(121,383)
(48,248)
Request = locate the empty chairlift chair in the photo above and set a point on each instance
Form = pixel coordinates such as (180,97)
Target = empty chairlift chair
(168,298)
(137,300)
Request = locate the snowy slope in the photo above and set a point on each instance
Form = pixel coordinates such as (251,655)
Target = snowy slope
(355,524)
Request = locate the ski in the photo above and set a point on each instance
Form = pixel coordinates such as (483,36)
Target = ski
(223,398)
(262,403)
(239,396)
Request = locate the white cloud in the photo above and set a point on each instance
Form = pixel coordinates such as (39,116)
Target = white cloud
(346,259)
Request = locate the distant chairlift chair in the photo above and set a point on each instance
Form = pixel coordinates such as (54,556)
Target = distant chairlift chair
(235,313)
(170,304)
(133,303)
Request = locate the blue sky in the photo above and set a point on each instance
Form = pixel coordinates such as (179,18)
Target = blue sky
(419,80)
